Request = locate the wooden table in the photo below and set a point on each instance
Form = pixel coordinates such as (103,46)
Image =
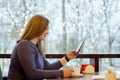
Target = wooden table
(84,77)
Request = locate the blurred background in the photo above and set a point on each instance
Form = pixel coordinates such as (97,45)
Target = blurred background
(71,21)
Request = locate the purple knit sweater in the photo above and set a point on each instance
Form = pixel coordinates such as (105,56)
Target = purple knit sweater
(27,63)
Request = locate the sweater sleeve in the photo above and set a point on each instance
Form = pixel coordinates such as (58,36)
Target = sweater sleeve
(52,66)
(26,55)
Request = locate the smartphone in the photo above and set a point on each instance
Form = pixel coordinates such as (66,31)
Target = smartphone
(79,48)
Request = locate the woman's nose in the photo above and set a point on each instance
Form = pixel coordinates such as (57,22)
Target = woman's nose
(47,32)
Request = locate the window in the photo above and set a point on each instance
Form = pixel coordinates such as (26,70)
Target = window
(71,21)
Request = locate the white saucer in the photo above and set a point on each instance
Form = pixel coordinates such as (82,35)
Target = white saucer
(98,77)
(77,75)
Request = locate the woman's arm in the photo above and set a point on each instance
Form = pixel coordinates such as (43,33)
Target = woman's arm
(52,66)
(61,62)
(26,55)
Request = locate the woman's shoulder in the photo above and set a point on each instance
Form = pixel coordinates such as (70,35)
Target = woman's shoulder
(24,43)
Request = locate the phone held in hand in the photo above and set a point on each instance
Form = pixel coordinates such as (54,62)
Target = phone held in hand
(79,48)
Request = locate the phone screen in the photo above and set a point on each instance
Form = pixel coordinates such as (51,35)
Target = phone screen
(79,48)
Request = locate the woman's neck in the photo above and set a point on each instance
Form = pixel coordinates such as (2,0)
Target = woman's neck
(34,41)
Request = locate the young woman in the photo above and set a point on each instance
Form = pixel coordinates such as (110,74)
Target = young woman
(28,61)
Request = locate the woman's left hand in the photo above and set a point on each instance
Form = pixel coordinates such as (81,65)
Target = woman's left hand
(71,54)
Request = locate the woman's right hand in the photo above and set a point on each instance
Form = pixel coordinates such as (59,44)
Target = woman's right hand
(67,72)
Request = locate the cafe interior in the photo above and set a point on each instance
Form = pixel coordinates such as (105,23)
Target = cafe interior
(89,27)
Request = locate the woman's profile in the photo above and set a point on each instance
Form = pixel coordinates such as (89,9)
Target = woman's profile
(27,59)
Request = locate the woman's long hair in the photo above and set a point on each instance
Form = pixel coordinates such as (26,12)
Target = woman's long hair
(35,27)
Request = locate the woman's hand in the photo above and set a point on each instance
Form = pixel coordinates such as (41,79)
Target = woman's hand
(71,54)
(68,57)
(67,72)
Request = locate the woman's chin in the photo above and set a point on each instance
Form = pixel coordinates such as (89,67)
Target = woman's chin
(42,39)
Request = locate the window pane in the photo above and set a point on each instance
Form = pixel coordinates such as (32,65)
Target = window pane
(71,21)
(107,62)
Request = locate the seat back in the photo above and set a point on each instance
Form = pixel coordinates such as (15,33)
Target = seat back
(0,74)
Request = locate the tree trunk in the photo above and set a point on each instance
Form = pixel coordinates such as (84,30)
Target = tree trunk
(64,27)
(107,17)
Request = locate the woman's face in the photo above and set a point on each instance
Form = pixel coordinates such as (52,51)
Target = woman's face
(43,36)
